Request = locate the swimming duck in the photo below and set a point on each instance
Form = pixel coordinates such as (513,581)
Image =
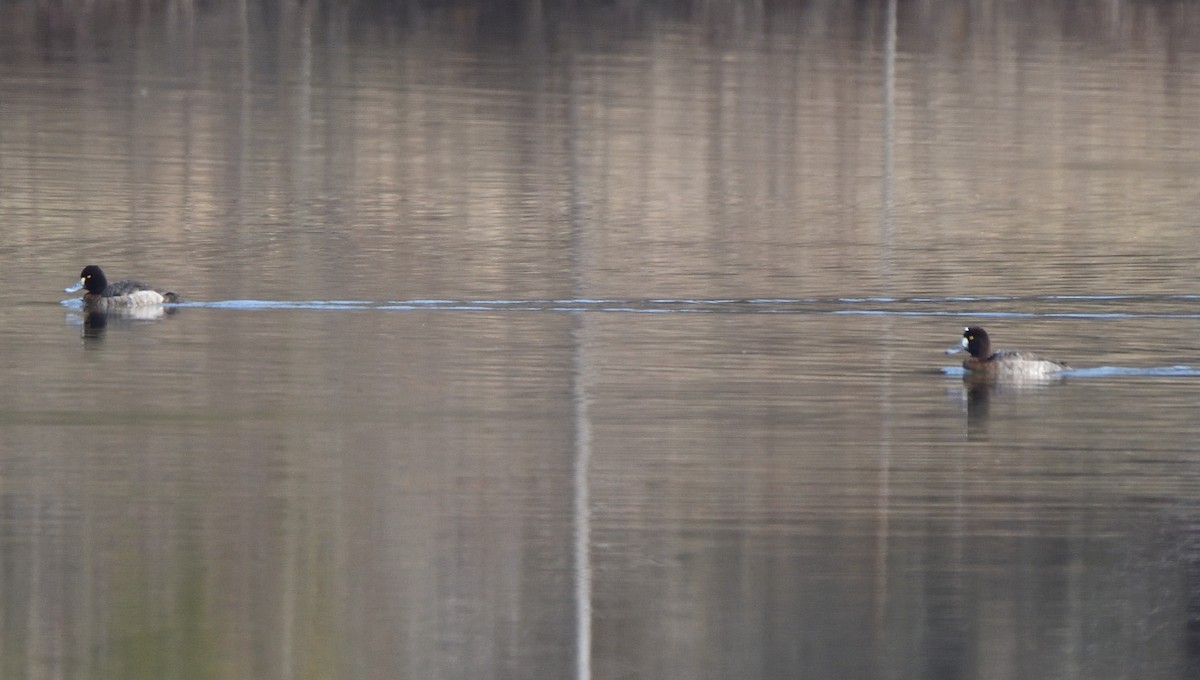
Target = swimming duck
(1005,363)
(104,295)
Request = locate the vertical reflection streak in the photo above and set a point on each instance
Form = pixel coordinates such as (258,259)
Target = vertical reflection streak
(889,120)
(581,522)
(884,527)
(581,507)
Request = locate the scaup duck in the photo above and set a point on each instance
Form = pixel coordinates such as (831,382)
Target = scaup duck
(1005,363)
(104,295)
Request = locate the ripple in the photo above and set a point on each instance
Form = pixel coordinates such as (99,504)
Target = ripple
(1173,306)
(1179,371)
(1134,371)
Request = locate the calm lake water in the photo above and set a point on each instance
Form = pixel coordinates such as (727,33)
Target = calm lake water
(600,340)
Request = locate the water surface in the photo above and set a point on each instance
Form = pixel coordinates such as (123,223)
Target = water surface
(545,342)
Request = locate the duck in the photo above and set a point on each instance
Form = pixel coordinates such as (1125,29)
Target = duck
(1002,364)
(102,295)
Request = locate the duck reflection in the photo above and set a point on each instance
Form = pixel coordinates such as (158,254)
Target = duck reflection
(96,322)
(979,392)
(1191,569)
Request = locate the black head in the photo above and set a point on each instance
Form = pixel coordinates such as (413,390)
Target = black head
(977,343)
(92,278)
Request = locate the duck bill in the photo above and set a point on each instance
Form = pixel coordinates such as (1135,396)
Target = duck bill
(957,348)
(77,287)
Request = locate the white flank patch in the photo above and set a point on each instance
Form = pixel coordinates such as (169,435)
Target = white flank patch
(144,297)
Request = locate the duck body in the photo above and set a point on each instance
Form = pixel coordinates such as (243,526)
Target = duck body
(102,295)
(1005,364)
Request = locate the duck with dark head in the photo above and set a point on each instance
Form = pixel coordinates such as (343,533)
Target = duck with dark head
(1004,363)
(102,295)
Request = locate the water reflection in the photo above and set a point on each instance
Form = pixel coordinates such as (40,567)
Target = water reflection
(94,323)
(978,393)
